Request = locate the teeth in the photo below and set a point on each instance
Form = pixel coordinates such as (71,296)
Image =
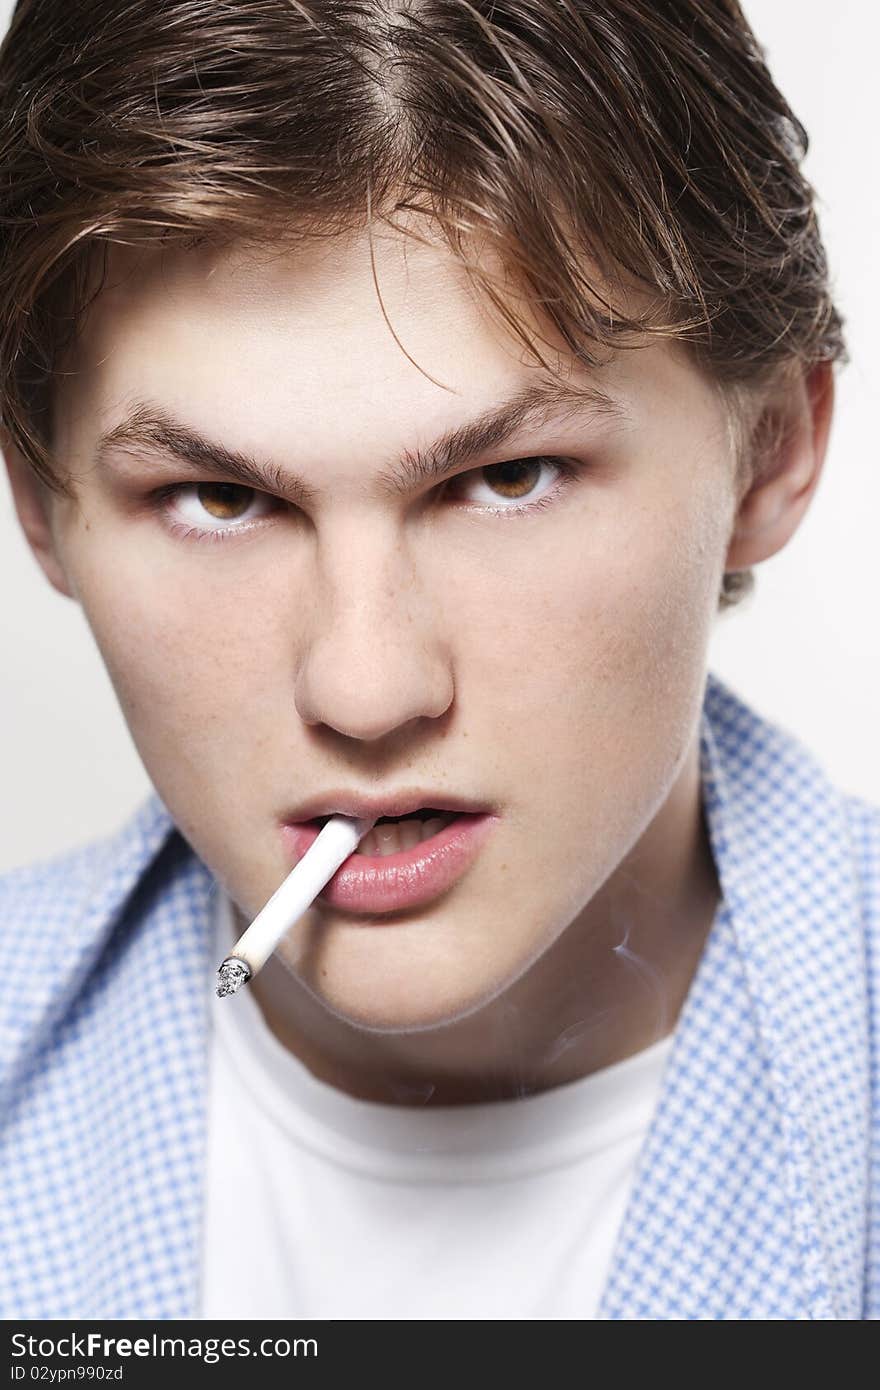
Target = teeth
(402,834)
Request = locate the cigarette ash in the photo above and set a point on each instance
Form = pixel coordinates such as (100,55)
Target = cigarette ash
(231,976)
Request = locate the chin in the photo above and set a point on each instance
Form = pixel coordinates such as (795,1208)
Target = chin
(399,1006)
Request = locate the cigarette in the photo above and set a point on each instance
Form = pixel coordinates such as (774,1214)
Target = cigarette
(338,839)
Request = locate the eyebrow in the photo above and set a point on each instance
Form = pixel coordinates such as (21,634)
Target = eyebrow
(148,427)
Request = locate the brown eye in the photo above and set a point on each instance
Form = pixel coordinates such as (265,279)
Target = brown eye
(514,478)
(214,509)
(224,501)
(514,485)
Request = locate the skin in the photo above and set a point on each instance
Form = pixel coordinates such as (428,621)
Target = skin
(549,664)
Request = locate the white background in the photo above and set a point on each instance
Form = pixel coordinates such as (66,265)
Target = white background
(803,650)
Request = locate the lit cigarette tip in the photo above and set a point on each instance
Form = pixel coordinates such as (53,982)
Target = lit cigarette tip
(233,973)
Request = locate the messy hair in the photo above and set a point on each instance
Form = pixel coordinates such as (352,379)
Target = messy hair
(632,143)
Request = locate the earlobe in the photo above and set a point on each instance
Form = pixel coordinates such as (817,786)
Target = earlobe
(32,501)
(788,448)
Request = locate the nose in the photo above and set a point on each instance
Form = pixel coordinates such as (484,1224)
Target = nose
(376,657)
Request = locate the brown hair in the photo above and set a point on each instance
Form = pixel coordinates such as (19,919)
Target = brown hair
(643,137)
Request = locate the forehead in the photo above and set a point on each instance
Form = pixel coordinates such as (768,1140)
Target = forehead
(328,343)
(313,310)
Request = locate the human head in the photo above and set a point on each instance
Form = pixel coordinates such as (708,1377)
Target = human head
(622,178)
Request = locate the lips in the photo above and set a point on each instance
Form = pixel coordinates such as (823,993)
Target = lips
(410,878)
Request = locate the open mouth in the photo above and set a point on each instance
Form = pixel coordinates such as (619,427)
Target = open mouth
(393,834)
(403,863)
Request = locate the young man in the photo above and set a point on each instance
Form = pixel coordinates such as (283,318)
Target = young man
(401,390)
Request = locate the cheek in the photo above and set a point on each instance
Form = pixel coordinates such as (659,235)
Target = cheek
(607,616)
(585,692)
(182,659)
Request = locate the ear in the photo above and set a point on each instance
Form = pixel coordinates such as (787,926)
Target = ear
(33,505)
(788,446)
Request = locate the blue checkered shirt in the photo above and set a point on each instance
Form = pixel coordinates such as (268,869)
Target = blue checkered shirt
(756,1190)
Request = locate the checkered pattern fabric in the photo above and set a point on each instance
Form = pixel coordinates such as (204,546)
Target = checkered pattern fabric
(753,1190)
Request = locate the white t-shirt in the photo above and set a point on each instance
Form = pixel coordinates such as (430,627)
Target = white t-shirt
(319,1205)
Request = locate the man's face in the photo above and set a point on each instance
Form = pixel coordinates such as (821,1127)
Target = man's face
(531,641)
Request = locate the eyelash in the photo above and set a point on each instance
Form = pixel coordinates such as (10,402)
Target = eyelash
(568,470)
